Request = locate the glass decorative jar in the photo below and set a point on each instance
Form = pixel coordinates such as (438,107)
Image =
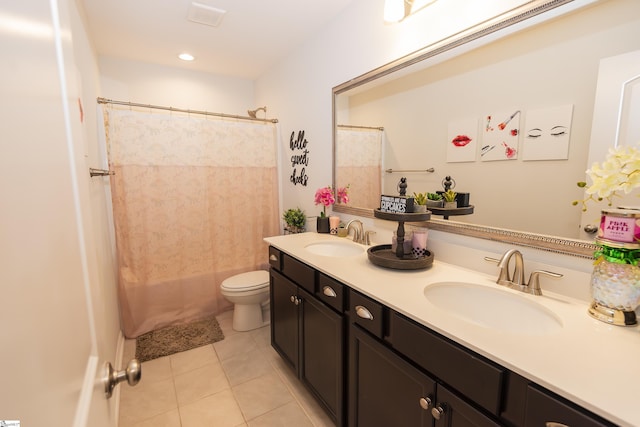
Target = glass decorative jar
(615,282)
(616,285)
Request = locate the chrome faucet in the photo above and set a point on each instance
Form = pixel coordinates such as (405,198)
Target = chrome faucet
(517,280)
(505,278)
(358,230)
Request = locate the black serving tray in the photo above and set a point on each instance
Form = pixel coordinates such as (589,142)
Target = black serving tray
(383,256)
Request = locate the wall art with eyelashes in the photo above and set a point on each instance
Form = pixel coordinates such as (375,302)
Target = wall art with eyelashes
(546,133)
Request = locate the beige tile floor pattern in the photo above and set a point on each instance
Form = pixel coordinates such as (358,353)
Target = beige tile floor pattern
(239,381)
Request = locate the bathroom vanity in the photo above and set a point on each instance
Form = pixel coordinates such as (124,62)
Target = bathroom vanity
(377,349)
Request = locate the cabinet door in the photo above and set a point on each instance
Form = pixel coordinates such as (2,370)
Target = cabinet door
(384,390)
(451,411)
(322,349)
(284,318)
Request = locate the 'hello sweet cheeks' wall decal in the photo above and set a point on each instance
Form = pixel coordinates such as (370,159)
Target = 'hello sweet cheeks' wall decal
(299,157)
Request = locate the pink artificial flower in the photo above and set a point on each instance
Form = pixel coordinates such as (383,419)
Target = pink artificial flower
(343,197)
(324,196)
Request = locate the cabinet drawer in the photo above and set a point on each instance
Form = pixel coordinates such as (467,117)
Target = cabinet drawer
(544,409)
(470,374)
(366,313)
(275,258)
(299,272)
(331,292)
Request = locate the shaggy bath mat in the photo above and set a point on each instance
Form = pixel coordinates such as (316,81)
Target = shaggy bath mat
(174,339)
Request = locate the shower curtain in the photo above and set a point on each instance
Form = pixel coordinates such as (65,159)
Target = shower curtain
(359,164)
(193,198)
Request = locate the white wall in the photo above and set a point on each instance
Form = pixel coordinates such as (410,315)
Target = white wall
(298,89)
(144,83)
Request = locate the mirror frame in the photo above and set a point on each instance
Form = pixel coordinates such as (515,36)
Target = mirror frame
(529,11)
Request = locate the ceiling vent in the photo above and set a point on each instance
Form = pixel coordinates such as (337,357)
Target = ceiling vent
(207,15)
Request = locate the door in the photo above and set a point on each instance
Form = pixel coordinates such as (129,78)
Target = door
(50,360)
(385,390)
(616,105)
(285,329)
(322,350)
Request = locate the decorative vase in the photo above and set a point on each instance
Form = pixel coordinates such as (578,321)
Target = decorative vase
(450,205)
(419,208)
(322,224)
(419,243)
(292,229)
(334,224)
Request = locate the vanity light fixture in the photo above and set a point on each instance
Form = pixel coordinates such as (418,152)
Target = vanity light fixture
(186,56)
(397,10)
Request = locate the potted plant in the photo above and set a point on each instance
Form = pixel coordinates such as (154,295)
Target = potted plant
(420,200)
(434,200)
(295,220)
(449,197)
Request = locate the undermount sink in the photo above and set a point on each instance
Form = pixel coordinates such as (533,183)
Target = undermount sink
(493,308)
(337,248)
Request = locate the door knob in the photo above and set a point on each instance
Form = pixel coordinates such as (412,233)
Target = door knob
(590,228)
(425,402)
(438,412)
(132,374)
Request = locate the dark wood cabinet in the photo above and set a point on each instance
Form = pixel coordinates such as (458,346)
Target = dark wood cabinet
(546,409)
(452,411)
(309,335)
(285,319)
(393,371)
(322,358)
(385,390)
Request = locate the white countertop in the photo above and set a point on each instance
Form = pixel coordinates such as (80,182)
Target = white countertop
(587,361)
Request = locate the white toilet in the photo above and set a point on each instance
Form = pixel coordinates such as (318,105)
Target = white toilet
(249,292)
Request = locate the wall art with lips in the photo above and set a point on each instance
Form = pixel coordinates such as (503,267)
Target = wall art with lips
(462,141)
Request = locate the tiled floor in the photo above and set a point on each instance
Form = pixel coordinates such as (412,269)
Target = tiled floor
(239,381)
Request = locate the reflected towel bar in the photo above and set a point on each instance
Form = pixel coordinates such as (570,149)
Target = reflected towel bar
(430,170)
(100,172)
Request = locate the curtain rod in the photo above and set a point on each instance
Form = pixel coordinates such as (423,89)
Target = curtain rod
(362,127)
(430,170)
(180,110)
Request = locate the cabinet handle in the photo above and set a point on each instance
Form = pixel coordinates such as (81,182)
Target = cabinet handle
(425,402)
(554,424)
(328,291)
(437,412)
(298,301)
(273,258)
(363,312)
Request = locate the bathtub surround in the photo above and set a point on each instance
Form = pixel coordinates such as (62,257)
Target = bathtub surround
(178,180)
(177,338)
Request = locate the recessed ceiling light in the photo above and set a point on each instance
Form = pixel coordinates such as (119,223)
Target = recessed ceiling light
(186,57)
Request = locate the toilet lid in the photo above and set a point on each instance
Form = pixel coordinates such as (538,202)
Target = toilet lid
(246,281)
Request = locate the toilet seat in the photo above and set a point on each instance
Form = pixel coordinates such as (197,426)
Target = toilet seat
(249,281)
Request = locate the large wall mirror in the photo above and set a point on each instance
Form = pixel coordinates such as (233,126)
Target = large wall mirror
(533,69)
